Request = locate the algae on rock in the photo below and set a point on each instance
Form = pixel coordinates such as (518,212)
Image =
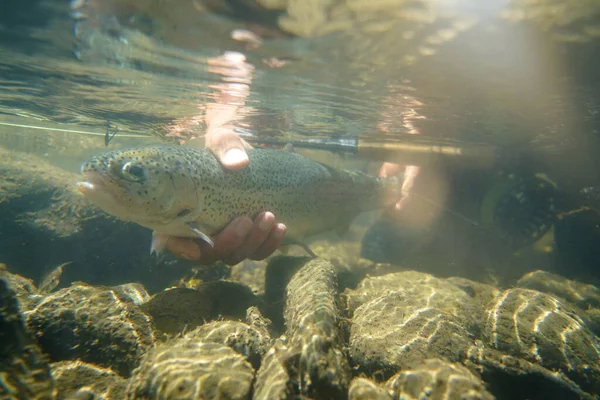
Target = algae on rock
(192,370)
(542,329)
(96,325)
(313,319)
(244,339)
(438,379)
(24,369)
(77,379)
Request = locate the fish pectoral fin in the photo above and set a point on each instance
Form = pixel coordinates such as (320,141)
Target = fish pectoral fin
(159,243)
(200,235)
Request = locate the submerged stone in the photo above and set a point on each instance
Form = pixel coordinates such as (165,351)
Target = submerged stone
(313,327)
(243,338)
(438,379)
(421,290)
(401,318)
(189,369)
(80,380)
(135,292)
(510,377)
(250,273)
(24,370)
(276,378)
(25,290)
(179,309)
(95,325)
(542,329)
(394,331)
(366,389)
(581,294)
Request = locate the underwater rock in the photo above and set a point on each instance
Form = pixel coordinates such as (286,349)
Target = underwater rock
(20,285)
(195,275)
(24,289)
(95,325)
(481,293)
(542,329)
(366,389)
(437,379)
(275,379)
(395,330)
(179,309)
(76,379)
(250,273)
(255,319)
(313,321)
(280,270)
(243,338)
(350,266)
(421,290)
(24,370)
(510,377)
(45,221)
(192,370)
(581,294)
(135,292)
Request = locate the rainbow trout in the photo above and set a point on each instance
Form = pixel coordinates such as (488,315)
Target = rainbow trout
(181,191)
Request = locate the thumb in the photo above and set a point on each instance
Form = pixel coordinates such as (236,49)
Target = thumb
(228,147)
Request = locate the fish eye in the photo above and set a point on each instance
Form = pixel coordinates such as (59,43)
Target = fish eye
(134,171)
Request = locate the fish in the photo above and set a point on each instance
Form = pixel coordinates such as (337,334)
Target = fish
(51,281)
(186,192)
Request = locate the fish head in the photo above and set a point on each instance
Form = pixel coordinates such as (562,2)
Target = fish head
(149,186)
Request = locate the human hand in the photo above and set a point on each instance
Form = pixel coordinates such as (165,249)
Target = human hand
(242,238)
(410,173)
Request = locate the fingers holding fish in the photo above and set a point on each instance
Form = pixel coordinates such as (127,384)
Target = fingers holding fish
(258,234)
(271,244)
(241,239)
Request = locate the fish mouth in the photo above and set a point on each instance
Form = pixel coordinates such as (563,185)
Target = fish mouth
(104,193)
(100,189)
(94,182)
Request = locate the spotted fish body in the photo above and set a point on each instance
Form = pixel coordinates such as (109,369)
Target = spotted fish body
(180,191)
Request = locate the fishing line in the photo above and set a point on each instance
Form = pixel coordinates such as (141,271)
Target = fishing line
(129,135)
(451,211)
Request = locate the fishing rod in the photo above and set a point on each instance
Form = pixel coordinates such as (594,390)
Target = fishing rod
(409,150)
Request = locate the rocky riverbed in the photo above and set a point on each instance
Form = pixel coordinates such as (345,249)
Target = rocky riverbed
(400,334)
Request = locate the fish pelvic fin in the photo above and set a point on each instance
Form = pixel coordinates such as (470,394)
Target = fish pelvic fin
(159,243)
(201,235)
